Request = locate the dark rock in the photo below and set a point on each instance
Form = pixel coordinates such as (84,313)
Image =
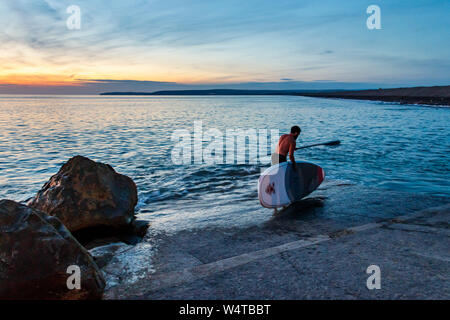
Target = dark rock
(99,236)
(104,254)
(139,227)
(101,242)
(86,194)
(130,239)
(35,252)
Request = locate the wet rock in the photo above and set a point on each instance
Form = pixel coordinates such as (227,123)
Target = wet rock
(35,253)
(125,264)
(99,236)
(85,194)
(139,228)
(105,253)
(101,242)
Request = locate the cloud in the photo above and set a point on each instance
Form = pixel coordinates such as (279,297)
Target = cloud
(251,43)
(96,86)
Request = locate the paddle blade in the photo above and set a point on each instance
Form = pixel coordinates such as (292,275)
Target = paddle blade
(332,143)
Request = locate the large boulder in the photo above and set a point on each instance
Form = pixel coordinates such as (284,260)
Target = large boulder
(36,251)
(86,194)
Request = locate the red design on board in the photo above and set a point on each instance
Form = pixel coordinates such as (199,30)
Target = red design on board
(270,189)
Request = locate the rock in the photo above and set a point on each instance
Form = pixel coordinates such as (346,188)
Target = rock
(101,242)
(35,252)
(130,239)
(125,264)
(130,234)
(139,227)
(135,232)
(86,194)
(104,254)
(94,237)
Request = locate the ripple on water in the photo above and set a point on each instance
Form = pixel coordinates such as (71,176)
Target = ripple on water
(383,145)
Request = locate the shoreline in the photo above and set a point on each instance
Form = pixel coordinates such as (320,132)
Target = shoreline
(371,95)
(317,249)
(400,100)
(436,95)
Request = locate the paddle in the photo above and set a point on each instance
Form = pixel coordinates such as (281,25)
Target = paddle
(331,143)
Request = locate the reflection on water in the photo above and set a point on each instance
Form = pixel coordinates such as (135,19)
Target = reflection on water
(383,145)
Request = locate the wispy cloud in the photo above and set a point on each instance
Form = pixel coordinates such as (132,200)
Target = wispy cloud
(161,42)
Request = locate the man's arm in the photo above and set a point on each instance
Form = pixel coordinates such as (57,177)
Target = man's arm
(291,154)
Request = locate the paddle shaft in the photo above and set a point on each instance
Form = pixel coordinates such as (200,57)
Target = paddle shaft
(330,143)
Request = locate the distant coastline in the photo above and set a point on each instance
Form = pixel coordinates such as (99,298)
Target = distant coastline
(218,92)
(436,95)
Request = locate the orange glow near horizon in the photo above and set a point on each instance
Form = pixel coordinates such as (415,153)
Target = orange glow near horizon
(71,74)
(22,65)
(38,69)
(38,80)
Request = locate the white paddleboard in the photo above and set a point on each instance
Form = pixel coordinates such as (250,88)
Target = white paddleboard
(280,186)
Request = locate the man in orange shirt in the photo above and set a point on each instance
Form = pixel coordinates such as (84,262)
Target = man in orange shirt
(286,145)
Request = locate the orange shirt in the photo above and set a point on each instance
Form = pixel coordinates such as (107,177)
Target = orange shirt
(286,144)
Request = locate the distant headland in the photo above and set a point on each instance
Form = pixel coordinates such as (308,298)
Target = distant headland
(218,92)
(437,95)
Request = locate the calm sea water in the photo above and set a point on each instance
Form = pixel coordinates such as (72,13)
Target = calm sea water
(396,147)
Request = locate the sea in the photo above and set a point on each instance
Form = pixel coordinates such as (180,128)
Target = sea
(387,146)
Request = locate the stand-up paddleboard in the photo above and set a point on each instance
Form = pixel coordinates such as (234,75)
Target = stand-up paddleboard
(280,185)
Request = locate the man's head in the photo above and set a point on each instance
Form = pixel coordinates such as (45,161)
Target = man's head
(295,131)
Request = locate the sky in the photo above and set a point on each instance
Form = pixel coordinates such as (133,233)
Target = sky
(150,45)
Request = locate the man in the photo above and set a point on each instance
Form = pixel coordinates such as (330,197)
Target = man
(286,145)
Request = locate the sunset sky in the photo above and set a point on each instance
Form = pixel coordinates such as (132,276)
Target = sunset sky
(148,45)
